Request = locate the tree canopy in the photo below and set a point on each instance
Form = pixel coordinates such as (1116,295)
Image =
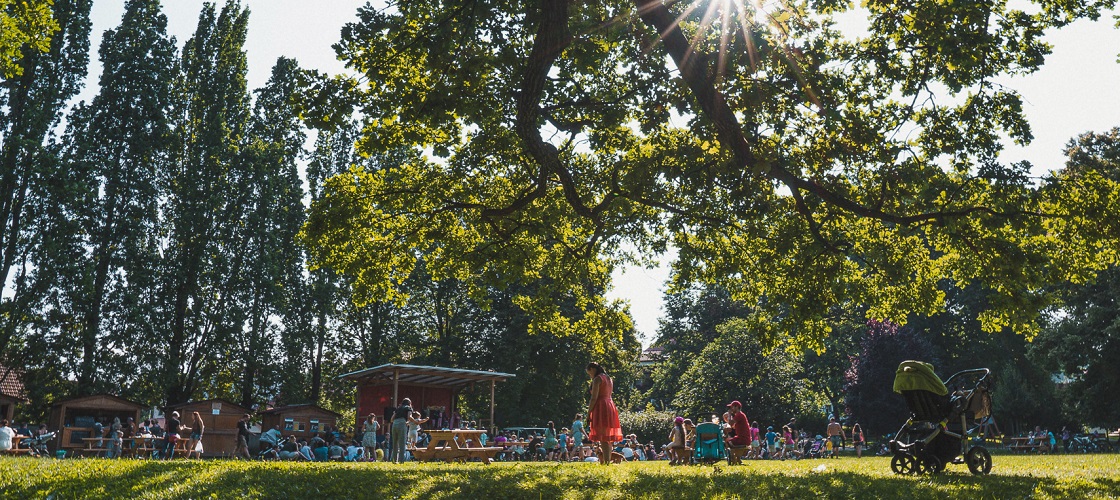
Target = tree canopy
(797,166)
(25,26)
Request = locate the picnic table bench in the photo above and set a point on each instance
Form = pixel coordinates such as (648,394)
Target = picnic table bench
(1024,444)
(16,450)
(444,445)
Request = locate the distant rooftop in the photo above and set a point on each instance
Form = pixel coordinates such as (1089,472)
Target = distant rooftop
(10,383)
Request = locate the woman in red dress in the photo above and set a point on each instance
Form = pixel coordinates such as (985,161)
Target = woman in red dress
(603,416)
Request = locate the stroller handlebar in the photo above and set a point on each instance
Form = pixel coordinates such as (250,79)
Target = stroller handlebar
(980,374)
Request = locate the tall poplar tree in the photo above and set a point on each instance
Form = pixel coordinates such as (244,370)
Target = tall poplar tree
(204,204)
(121,143)
(31,104)
(273,216)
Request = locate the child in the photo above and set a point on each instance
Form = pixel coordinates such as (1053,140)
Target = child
(772,442)
(116,441)
(676,442)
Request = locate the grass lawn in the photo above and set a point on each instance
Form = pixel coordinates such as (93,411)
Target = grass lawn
(1019,476)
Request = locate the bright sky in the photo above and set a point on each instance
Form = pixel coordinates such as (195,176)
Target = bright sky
(1075,92)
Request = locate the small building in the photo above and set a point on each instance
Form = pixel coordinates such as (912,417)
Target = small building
(11,392)
(74,418)
(434,391)
(220,418)
(301,421)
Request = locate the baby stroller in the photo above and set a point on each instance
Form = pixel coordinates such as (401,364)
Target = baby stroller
(815,448)
(941,416)
(709,446)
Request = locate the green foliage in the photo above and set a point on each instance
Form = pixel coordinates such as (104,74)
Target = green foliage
(1044,477)
(25,25)
(649,425)
(810,170)
(738,366)
(1082,336)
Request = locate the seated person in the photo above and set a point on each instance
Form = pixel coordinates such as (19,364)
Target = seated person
(290,449)
(319,447)
(740,427)
(536,447)
(305,453)
(355,452)
(336,452)
(269,452)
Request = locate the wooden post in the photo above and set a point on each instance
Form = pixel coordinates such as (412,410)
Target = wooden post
(396,382)
(493,426)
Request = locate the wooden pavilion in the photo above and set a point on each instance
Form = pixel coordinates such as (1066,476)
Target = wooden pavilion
(301,421)
(74,418)
(220,417)
(433,390)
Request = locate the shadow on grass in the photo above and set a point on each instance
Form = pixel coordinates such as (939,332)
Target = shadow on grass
(105,479)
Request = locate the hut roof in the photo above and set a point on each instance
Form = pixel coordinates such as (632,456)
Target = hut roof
(236,408)
(427,375)
(11,383)
(92,402)
(287,408)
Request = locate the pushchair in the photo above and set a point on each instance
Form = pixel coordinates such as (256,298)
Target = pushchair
(942,414)
(815,448)
(709,447)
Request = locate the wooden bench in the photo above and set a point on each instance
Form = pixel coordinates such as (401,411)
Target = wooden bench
(16,451)
(735,454)
(486,454)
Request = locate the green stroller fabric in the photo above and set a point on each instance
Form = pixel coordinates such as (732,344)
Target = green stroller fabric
(918,376)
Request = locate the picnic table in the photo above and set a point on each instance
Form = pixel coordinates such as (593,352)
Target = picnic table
(1025,444)
(139,444)
(16,450)
(450,445)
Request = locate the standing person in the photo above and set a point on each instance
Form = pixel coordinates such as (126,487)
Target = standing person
(578,435)
(603,414)
(414,428)
(243,434)
(836,435)
(369,435)
(676,445)
(173,425)
(197,428)
(402,416)
(858,440)
(551,444)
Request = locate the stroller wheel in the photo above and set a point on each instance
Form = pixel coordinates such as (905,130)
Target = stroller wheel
(932,465)
(902,463)
(979,460)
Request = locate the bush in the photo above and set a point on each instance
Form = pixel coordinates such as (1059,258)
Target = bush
(649,424)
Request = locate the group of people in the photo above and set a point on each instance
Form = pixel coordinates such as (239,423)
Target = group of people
(740,433)
(117,437)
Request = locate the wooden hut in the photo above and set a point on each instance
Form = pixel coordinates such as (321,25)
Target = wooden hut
(301,421)
(11,392)
(434,391)
(74,418)
(220,417)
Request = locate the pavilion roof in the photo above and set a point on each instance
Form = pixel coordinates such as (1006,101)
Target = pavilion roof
(426,375)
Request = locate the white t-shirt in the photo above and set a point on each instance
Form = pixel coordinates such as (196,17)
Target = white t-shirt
(6,435)
(353,452)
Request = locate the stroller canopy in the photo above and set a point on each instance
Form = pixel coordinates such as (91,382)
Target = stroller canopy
(918,376)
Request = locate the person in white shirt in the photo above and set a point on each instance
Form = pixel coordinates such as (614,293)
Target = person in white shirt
(6,435)
(354,452)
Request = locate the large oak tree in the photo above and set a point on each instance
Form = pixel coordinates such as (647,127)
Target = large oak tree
(796,166)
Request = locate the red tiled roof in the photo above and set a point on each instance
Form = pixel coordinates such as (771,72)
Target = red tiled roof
(10,383)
